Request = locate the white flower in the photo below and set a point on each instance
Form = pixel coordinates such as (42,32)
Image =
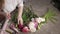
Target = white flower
(32,19)
(40,19)
(31,26)
(33,29)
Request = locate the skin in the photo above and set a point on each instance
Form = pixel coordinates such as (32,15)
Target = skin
(20,10)
(8,15)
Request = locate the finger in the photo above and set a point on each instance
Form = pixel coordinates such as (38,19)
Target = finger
(21,21)
(18,21)
(8,16)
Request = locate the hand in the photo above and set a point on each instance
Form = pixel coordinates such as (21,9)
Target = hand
(20,20)
(8,15)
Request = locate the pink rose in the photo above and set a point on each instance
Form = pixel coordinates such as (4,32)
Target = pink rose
(36,24)
(25,29)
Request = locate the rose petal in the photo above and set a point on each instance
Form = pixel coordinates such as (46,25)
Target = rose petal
(20,26)
(33,29)
(39,20)
(25,29)
(36,24)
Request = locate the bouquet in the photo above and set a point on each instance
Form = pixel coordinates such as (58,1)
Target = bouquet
(31,21)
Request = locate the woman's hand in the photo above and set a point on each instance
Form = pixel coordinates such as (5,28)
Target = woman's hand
(20,11)
(8,15)
(20,20)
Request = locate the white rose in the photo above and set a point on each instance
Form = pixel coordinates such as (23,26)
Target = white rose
(39,20)
(31,26)
(32,19)
(42,19)
(33,29)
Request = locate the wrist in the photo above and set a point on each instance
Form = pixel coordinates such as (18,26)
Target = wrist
(19,16)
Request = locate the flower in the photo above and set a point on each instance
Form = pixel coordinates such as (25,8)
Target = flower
(32,26)
(36,24)
(42,19)
(20,26)
(33,29)
(25,29)
(39,20)
(33,19)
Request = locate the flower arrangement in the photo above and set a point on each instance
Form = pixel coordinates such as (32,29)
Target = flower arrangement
(32,22)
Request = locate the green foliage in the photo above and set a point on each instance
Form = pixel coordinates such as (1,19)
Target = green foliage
(27,15)
(14,17)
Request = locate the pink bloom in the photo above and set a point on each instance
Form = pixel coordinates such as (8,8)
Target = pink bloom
(25,29)
(36,24)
